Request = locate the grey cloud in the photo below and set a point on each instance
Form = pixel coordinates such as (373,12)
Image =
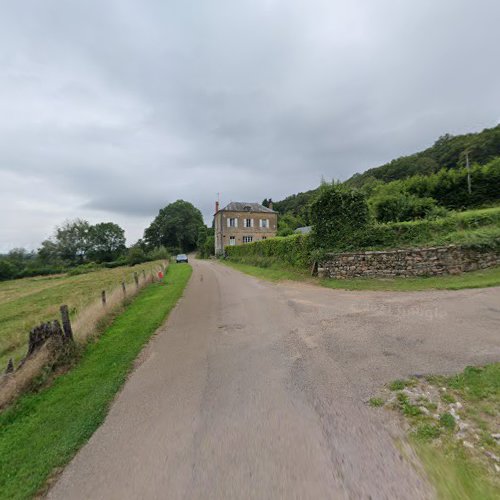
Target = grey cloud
(118,108)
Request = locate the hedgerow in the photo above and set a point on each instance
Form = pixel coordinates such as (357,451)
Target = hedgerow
(477,228)
(293,250)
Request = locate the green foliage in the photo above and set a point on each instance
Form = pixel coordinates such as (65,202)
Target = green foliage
(73,240)
(448,187)
(406,407)
(448,398)
(287,224)
(397,385)
(447,152)
(106,242)
(427,432)
(478,383)
(83,269)
(336,213)
(402,207)
(158,253)
(175,227)
(136,255)
(206,242)
(447,420)
(77,242)
(297,205)
(7,270)
(478,227)
(291,250)
(376,402)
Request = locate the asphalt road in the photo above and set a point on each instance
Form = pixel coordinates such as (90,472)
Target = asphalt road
(259,390)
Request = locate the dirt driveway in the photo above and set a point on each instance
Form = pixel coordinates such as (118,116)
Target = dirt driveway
(258,390)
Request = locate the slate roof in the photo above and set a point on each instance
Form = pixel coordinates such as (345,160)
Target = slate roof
(241,206)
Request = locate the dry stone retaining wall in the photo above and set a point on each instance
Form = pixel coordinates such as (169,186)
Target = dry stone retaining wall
(408,262)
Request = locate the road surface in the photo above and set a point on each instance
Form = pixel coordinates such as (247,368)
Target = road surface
(259,390)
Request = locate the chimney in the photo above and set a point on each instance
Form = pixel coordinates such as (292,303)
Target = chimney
(270,203)
(216,206)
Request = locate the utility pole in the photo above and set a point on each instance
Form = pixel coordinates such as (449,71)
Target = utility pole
(469,187)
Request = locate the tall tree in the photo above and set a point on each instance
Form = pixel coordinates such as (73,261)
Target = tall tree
(106,242)
(176,227)
(73,240)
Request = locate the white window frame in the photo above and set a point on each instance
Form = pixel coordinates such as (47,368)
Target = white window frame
(264,223)
(247,239)
(232,241)
(229,221)
(247,222)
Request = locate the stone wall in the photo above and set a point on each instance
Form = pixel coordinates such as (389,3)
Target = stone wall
(408,262)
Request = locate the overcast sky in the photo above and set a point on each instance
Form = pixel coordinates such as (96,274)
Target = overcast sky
(111,109)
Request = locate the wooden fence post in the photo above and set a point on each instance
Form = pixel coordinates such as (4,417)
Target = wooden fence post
(103,298)
(66,323)
(136,279)
(124,289)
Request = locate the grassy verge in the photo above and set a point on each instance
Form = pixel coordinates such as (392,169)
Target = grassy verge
(27,302)
(43,431)
(452,424)
(474,279)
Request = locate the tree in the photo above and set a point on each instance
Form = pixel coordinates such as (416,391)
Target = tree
(7,270)
(73,240)
(106,242)
(337,213)
(176,227)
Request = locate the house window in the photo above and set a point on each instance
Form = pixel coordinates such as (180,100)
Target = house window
(264,237)
(247,222)
(247,239)
(232,222)
(232,241)
(264,223)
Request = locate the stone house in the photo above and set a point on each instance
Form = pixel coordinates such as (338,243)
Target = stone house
(240,223)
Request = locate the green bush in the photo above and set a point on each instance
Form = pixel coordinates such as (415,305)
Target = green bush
(402,207)
(293,250)
(7,270)
(336,213)
(448,187)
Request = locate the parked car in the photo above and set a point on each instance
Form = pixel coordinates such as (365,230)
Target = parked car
(182,257)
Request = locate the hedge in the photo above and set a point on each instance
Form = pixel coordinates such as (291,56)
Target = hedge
(477,228)
(293,250)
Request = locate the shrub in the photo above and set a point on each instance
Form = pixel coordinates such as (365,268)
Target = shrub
(293,250)
(7,270)
(336,213)
(402,207)
(136,255)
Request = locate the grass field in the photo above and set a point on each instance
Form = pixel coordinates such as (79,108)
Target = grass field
(43,431)
(27,302)
(475,279)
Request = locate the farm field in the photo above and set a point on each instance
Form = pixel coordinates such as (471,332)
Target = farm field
(27,302)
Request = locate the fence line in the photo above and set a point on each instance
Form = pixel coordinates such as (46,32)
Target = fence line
(46,339)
